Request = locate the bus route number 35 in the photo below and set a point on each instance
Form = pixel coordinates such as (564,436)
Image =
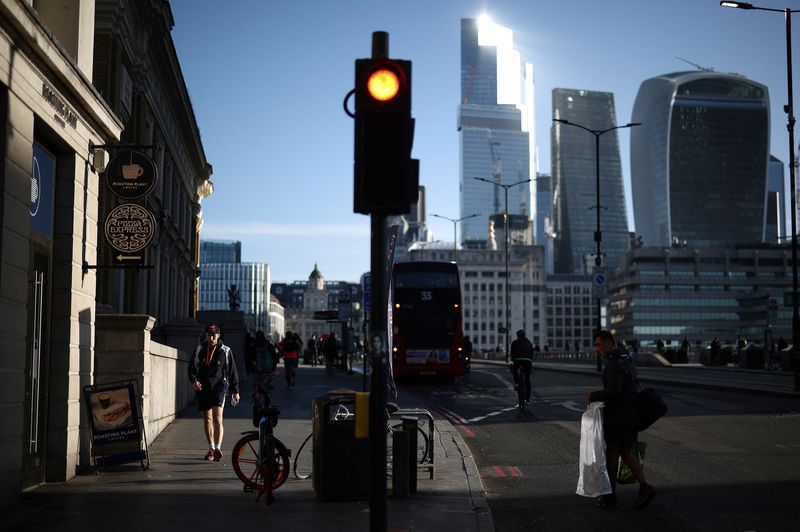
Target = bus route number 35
(426,295)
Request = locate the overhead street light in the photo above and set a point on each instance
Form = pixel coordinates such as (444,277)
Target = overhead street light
(598,236)
(507,324)
(455,223)
(790,120)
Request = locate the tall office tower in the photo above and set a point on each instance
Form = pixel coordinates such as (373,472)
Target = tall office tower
(699,159)
(495,124)
(220,251)
(544,218)
(544,207)
(775,224)
(411,227)
(574,170)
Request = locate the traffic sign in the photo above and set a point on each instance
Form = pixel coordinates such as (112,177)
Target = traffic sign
(365,288)
(599,282)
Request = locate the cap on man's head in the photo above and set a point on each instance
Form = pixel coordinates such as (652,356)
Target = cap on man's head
(212,328)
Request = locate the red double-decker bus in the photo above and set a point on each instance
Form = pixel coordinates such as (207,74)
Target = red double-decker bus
(426,320)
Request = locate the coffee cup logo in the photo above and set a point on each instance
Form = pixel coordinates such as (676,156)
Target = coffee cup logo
(105,399)
(132,171)
(131,174)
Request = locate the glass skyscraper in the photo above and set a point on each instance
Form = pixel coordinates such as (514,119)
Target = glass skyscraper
(220,268)
(574,170)
(699,160)
(495,124)
(220,251)
(777,204)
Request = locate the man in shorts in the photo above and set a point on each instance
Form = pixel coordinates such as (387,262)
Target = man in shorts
(212,371)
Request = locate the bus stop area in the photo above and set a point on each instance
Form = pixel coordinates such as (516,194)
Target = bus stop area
(182,491)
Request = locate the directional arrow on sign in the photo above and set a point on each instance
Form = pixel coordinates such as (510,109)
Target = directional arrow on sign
(128,257)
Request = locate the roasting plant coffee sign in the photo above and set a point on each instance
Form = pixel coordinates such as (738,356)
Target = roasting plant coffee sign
(113,413)
(131,174)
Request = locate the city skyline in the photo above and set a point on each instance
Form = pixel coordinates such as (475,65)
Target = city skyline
(282,147)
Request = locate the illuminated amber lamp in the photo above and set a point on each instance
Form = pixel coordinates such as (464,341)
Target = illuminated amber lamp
(383,85)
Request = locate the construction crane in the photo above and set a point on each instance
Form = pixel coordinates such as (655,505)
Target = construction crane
(496,172)
(698,67)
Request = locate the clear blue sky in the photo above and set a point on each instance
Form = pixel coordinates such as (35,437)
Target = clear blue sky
(267,80)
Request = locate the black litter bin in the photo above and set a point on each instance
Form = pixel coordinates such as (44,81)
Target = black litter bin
(340,460)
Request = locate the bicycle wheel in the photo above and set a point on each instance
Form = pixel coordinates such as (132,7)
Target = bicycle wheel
(245,462)
(521,390)
(304,464)
(422,442)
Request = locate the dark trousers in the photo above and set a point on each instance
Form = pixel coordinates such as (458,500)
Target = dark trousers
(522,374)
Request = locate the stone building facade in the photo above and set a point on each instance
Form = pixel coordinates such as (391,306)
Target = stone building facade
(77,75)
(136,70)
(50,113)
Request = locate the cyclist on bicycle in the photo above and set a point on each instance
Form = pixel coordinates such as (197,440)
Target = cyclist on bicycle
(522,358)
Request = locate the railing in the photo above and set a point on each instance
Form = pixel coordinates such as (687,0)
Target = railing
(427,464)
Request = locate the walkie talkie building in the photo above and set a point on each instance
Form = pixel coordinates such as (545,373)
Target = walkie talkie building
(699,160)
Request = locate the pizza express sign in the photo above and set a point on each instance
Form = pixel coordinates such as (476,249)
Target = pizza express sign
(130,227)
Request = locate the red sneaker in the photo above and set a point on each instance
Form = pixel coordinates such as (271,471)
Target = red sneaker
(217,455)
(209,455)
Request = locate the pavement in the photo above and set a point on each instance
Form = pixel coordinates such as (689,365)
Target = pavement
(182,491)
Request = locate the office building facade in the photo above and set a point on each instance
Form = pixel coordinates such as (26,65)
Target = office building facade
(144,86)
(220,251)
(544,218)
(574,168)
(495,125)
(312,307)
(777,204)
(571,313)
(699,160)
(672,293)
(227,283)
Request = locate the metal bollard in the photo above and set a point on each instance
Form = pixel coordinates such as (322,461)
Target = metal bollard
(400,478)
(410,424)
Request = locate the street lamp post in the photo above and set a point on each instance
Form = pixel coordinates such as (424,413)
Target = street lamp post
(505,188)
(455,237)
(790,126)
(598,236)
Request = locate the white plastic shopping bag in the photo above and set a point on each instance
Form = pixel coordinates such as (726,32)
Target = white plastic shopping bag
(593,475)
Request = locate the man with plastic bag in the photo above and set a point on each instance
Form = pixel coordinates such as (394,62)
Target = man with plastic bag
(620,418)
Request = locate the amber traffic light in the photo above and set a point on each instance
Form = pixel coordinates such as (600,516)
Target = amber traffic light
(385,177)
(383,85)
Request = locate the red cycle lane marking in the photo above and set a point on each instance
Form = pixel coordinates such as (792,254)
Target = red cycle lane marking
(466,430)
(514,471)
(499,471)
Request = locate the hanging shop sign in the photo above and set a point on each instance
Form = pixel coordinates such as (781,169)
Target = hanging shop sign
(129,229)
(131,174)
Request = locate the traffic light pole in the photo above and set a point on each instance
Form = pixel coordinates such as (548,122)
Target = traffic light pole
(378,356)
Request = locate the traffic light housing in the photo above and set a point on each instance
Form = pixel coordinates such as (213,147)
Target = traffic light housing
(386,178)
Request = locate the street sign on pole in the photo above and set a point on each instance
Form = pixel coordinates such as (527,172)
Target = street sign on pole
(599,282)
(365,287)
